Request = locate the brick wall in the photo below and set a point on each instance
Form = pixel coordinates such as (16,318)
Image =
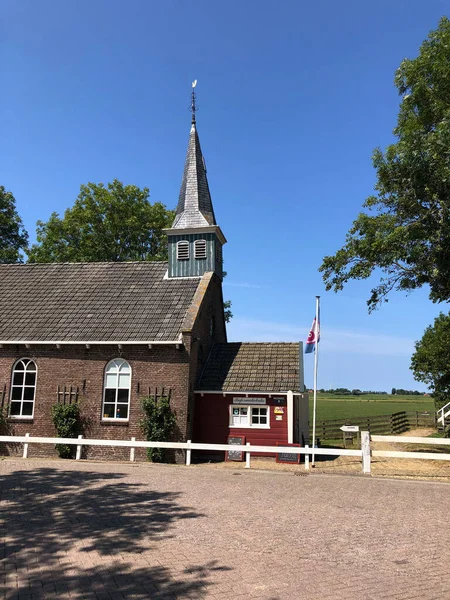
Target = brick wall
(161,366)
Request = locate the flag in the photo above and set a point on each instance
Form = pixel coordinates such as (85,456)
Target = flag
(311,340)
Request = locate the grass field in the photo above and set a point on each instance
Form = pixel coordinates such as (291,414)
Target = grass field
(330,407)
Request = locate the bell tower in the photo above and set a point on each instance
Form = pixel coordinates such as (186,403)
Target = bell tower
(195,240)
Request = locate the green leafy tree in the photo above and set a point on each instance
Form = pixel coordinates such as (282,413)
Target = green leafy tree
(158,424)
(227,311)
(430,362)
(107,223)
(13,237)
(68,424)
(405,232)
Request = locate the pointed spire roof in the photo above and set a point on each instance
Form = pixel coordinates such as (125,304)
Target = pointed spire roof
(194,207)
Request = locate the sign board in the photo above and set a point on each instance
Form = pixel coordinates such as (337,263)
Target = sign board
(278,410)
(288,457)
(350,428)
(249,400)
(280,401)
(237,455)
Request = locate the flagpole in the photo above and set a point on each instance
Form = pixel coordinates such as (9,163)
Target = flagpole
(316,360)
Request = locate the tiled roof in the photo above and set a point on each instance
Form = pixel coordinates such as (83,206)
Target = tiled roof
(259,367)
(128,301)
(194,207)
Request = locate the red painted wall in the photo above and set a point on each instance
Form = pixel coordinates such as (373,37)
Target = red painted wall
(212,417)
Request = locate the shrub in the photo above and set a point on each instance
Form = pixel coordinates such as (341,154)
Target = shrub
(67,421)
(157,425)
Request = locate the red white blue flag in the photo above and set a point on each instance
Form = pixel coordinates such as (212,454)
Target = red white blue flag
(311,340)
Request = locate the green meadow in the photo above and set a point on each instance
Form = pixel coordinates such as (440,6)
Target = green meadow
(331,407)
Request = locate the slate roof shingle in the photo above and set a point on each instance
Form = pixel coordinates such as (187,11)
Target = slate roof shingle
(194,207)
(252,367)
(128,301)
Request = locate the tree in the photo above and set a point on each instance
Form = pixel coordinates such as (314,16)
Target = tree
(228,315)
(112,223)
(13,237)
(430,362)
(405,231)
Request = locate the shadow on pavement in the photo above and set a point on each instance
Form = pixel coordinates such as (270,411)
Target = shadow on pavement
(80,534)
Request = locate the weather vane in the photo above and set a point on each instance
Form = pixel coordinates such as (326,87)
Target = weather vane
(193,98)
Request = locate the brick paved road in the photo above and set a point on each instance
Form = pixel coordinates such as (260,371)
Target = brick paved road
(113,531)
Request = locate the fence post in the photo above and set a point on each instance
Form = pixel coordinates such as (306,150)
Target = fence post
(79,447)
(25,446)
(132,450)
(188,455)
(365,449)
(247,457)
(306,458)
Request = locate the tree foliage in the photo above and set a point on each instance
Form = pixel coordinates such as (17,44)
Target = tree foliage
(68,424)
(158,424)
(13,237)
(227,311)
(430,362)
(107,223)
(405,231)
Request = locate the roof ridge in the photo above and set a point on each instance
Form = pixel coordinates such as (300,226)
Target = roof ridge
(97,262)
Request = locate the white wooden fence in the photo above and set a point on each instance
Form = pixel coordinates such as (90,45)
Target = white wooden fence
(364,453)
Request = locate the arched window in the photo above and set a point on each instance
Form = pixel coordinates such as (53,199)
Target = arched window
(23,388)
(183,250)
(200,248)
(116,399)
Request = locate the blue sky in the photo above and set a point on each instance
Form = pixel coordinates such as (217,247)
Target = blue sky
(293,97)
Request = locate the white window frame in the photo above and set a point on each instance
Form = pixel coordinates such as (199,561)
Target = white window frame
(118,362)
(200,249)
(183,250)
(249,424)
(23,386)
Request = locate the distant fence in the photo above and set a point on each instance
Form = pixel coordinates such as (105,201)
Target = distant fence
(394,423)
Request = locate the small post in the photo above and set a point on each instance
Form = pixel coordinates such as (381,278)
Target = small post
(132,450)
(247,457)
(79,447)
(25,446)
(188,455)
(306,458)
(365,448)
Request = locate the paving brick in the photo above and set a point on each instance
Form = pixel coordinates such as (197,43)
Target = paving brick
(75,530)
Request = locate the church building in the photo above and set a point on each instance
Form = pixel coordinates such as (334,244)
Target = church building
(107,334)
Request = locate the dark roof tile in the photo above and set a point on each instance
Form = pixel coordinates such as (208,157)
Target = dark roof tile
(128,301)
(251,366)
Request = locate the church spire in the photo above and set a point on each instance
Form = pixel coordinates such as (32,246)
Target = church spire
(194,207)
(195,240)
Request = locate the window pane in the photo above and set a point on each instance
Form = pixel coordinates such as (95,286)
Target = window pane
(30,378)
(28,393)
(18,378)
(124,380)
(255,419)
(110,395)
(244,410)
(111,380)
(108,411)
(263,420)
(124,367)
(122,395)
(16,393)
(15,408)
(122,411)
(27,409)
